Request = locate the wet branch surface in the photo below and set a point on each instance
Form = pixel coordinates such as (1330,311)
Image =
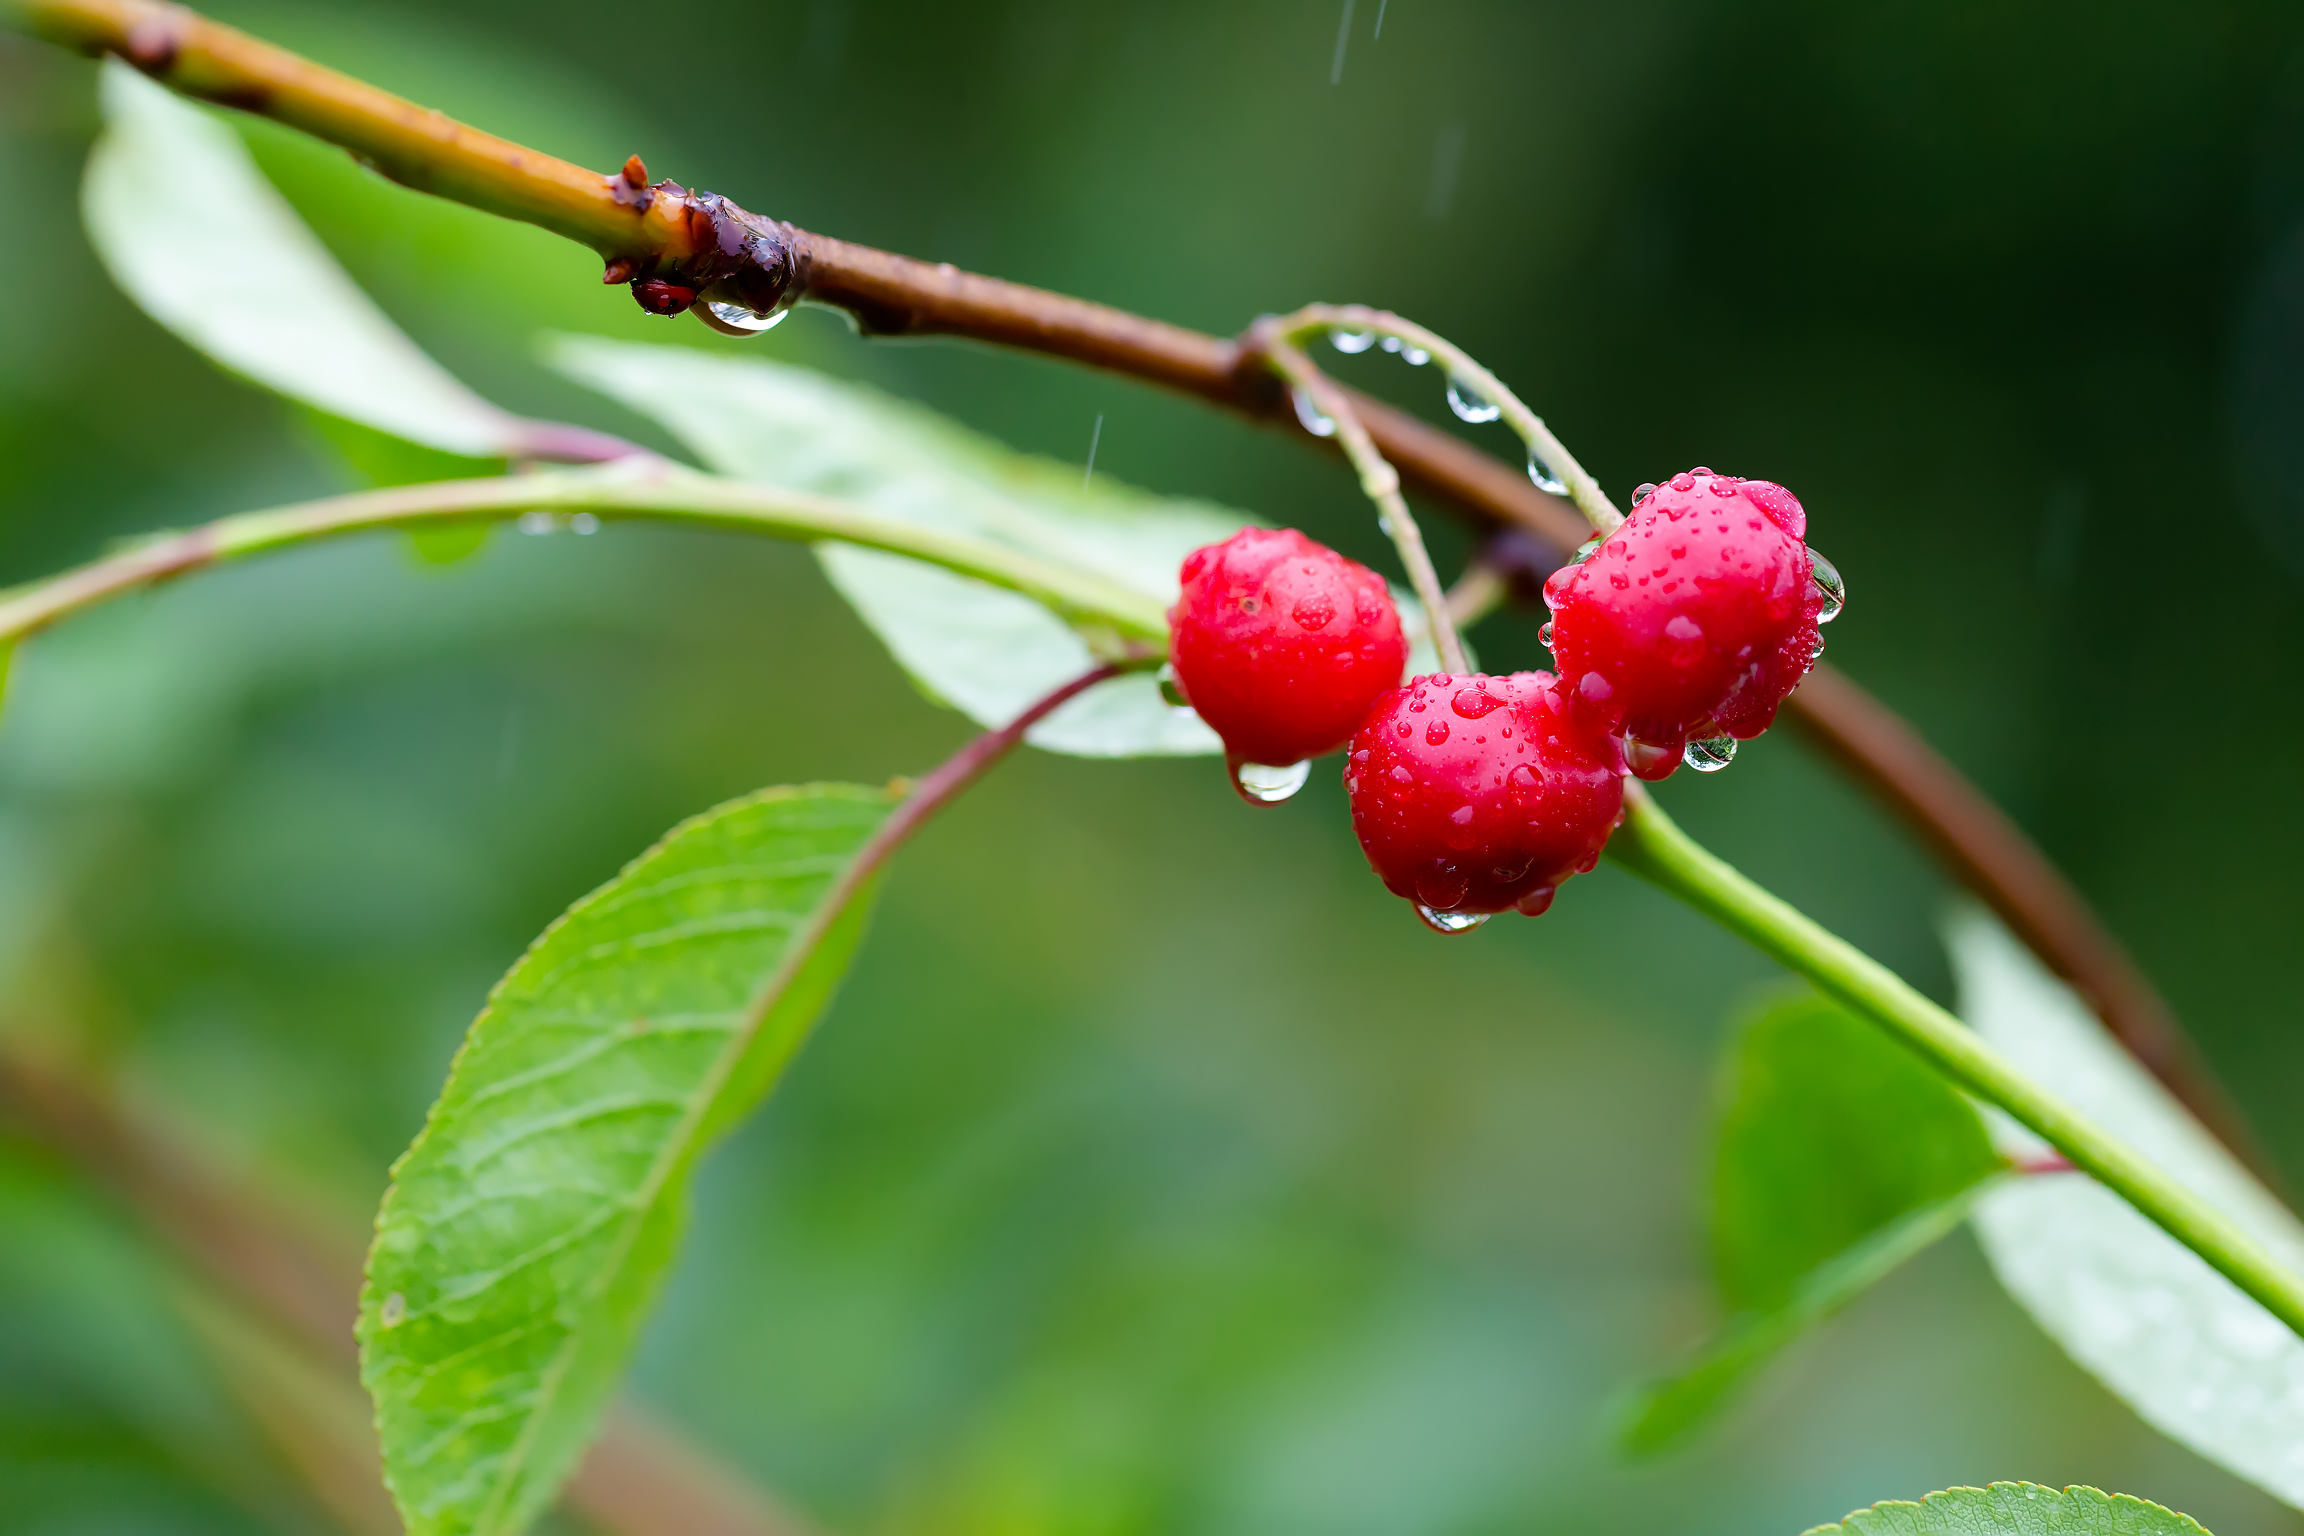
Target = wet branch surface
(676,247)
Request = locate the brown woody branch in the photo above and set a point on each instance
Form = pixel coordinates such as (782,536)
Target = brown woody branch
(677,247)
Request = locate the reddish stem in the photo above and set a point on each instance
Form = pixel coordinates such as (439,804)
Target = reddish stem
(954,774)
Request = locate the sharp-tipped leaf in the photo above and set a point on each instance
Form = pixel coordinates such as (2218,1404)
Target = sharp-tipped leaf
(193,232)
(2015,1509)
(1837,1155)
(1665,1412)
(529,1227)
(2197,1359)
(985,651)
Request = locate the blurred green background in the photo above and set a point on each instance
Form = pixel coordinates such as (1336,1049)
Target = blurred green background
(1156,1171)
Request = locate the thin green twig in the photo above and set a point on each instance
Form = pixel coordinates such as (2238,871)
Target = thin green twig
(1652,845)
(1543,448)
(1131,625)
(1379,481)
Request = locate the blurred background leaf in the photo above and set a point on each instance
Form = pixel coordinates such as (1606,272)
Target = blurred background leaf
(987,651)
(1837,1155)
(189,227)
(2203,1362)
(1171,1176)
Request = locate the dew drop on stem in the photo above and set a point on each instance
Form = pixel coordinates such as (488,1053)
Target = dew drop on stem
(1827,578)
(1541,473)
(1414,357)
(1352,341)
(1309,414)
(1469,403)
(1264,784)
(1451,922)
(742,319)
(1391,343)
(1709,754)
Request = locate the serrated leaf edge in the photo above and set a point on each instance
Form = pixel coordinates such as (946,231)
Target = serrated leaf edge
(839,899)
(2029,1490)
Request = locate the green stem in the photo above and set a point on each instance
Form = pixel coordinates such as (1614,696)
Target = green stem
(1652,845)
(1380,483)
(1130,624)
(1537,438)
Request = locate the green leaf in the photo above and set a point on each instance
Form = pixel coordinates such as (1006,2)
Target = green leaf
(1829,1131)
(378,459)
(1665,1412)
(988,652)
(2015,1509)
(1837,1156)
(529,1228)
(193,232)
(2195,1357)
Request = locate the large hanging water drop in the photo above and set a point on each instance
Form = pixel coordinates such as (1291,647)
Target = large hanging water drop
(1309,414)
(1451,922)
(1710,754)
(1351,341)
(1469,403)
(1263,784)
(1541,473)
(742,319)
(1827,578)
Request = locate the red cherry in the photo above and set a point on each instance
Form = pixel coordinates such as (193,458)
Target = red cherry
(1473,794)
(1694,620)
(1282,645)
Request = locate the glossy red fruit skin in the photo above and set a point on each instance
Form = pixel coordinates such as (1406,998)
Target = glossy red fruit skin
(1474,794)
(1694,619)
(1282,645)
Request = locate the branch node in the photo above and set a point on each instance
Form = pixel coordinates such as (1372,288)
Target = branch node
(153,43)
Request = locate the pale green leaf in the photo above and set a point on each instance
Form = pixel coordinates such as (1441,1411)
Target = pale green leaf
(529,1228)
(986,651)
(2015,1509)
(1837,1156)
(2197,1359)
(1665,1412)
(1828,1132)
(193,232)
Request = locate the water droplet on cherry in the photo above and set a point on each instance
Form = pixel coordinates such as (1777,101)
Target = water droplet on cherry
(1264,784)
(1451,922)
(1827,578)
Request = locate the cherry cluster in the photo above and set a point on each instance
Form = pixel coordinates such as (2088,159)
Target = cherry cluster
(1676,636)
